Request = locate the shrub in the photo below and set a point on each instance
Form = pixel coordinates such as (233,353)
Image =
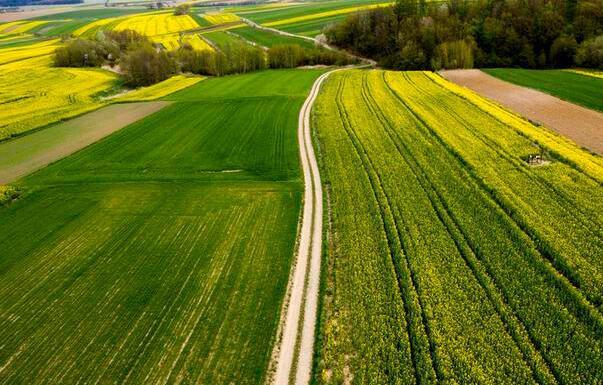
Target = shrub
(80,53)
(590,53)
(182,9)
(145,65)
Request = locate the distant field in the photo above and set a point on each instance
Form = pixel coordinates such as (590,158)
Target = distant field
(220,17)
(155,24)
(268,39)
(581,89)
(450,259)
(160,254)
(312,27)
(221,39)
(91,14)
(294,11)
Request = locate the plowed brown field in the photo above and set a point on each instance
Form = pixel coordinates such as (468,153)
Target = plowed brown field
(582,125)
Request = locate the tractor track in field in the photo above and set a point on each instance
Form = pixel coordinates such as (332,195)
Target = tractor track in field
(293,356)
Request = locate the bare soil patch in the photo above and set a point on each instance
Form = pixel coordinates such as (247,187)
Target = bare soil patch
(26,154)
(582,125)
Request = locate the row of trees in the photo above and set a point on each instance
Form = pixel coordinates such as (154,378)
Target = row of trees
(143,63)
(415,34)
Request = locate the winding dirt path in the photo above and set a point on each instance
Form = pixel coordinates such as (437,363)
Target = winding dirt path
(305,280)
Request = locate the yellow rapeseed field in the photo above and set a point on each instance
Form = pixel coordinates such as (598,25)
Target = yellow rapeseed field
(159,90)
(221,18)
(8,55)
(86,29)
(157,24)
(321,15)
(34,94)
(175,40)
(595,74)
(19,27)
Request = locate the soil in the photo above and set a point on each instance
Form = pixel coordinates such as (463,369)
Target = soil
(580,124)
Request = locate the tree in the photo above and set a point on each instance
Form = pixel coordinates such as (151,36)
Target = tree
(563,50)
(182,9)
(145,65)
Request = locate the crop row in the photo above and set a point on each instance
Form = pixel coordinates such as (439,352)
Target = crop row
(481,301)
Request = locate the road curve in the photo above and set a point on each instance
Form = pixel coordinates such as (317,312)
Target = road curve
(305,279)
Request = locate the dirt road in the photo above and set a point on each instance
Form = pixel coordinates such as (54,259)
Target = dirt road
(31,152)
(305,279)
(582,125)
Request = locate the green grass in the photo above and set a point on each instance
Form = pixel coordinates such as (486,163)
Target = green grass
(269,39)
(450,259)
(221,39)
(161,253)
(575,88)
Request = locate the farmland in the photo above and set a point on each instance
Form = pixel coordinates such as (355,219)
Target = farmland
(223,223)
(157,24)
(308,20)
(269,39)
(164,250)
(159,90)
(577,88)
(450,255)
(34,94)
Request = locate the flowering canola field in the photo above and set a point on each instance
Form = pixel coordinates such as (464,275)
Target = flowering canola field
(156,24)
(221,17)
(450,258)
(34,94)
(159,90)
(44,48)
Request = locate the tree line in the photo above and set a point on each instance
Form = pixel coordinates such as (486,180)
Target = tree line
(143,63)
(416,34)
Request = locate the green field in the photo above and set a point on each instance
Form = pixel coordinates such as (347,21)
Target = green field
(221,39)
(572,87)
(269,39)
(161,253)
(93,14)
(450,259)
(313,27)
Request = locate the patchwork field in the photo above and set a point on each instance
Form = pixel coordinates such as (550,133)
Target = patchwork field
(267,15)
(573,87)
(269,39)
(35,94)
(160,254)
(308,19)
(450,258)
(580,124)
(24,155)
